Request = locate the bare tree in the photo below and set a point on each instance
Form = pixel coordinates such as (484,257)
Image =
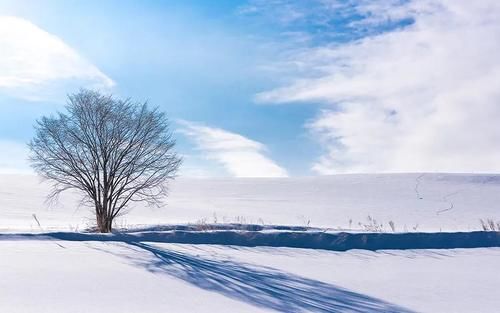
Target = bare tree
(113,151)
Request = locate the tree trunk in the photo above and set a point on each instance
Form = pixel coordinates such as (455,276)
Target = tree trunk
(104,223)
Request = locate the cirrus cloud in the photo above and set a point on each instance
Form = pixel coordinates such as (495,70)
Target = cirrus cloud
(424,97)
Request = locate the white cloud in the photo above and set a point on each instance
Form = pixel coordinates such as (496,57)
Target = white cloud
(33,60)
(240,156)
(422,98)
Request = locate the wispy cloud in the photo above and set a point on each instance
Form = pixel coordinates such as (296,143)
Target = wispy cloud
(240,156)
(424,97)
(333,20)
(289,12)
(32,61)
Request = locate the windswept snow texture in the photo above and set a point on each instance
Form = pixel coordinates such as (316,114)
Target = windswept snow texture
(421,202)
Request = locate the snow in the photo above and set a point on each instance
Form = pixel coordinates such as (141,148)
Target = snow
(68,271)
(341,241)
(422,202)
(61,276)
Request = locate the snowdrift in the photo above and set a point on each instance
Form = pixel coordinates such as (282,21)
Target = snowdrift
(309,240)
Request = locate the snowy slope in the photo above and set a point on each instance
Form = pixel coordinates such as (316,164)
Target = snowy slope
(425,202)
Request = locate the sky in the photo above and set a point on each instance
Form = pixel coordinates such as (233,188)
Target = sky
(269,88)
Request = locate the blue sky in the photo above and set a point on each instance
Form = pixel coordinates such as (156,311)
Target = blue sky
(266,88)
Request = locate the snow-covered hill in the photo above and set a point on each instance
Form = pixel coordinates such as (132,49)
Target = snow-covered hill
(422,202)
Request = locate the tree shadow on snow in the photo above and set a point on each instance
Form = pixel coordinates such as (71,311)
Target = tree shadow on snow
(259,286)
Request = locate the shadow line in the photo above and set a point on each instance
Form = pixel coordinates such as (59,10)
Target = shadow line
(260,286)
(307,240)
